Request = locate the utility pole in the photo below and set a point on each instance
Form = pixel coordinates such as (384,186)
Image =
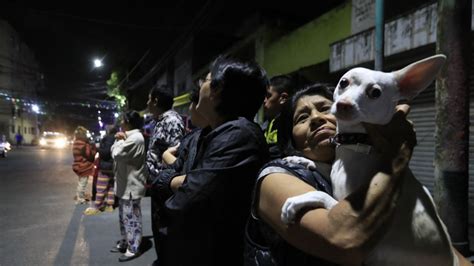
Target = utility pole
(379,34)
(452,119)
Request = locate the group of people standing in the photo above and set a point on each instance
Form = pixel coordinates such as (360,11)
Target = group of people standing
(217,191)
(86,164)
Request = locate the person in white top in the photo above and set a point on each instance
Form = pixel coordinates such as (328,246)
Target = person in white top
(129,154)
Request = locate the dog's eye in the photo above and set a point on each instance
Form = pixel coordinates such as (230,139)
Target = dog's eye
(343,83)
(373,92)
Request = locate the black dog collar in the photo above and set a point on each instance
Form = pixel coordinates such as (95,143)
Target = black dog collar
(351,138)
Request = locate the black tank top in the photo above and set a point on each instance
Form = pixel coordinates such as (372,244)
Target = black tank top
(263,246)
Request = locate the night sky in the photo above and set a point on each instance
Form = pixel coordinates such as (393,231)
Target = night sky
(66,39)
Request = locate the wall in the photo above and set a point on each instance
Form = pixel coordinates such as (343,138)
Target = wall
(308,45)
(183,68)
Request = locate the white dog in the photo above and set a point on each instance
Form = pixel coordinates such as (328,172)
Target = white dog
(416,235)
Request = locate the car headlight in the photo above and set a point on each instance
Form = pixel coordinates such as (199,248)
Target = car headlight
(42,142)
(60,143)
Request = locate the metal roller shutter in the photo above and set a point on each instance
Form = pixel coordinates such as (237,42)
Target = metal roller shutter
(423,116)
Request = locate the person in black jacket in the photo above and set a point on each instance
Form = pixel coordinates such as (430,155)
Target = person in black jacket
(180,158)
(105,198)
(205,217)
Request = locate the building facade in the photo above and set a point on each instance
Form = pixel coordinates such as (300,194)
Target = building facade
(325,48)
(20,79)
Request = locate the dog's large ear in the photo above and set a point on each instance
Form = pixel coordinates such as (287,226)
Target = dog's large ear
(415,77)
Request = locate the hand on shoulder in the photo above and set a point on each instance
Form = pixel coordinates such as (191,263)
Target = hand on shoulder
(120,135)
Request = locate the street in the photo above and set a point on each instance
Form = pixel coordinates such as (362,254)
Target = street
(41,225)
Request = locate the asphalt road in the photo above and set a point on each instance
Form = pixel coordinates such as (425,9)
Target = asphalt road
(40,223)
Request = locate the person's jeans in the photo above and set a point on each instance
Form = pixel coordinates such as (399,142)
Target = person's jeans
(81,187)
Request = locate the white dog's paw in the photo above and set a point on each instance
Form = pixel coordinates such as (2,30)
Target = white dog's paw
(315,199)
(307,163)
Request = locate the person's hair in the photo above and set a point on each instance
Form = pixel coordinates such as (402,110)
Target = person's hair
(111,129)
(285,125)
(242,86)
(134,119)
(194,96)
(80,133)
(283,83)
(164,94)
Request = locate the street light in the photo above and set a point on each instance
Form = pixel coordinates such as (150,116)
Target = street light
(97,63)
(35,108)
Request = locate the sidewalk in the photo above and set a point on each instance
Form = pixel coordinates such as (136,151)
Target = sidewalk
(99,233)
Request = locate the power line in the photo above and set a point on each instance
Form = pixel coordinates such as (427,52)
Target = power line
(197,22)
(136,65)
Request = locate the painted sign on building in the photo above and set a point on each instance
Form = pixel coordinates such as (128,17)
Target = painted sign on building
(411,31)
(357,48)
(405,33)
(363,15)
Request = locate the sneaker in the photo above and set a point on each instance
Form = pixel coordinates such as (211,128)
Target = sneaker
(128,256)
(80,201)
(119,247)
(109,209)
(91,211)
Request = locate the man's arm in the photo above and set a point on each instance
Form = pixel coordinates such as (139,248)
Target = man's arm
(231,152)
(169,156)
(127,149)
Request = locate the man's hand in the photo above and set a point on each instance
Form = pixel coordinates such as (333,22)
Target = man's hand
(120,135)
(176,182)
(173,150)
(396,140)
(169,156)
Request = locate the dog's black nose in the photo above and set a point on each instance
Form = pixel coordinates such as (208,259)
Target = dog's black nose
(344,106)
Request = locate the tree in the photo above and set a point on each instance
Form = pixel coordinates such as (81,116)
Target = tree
(115,90)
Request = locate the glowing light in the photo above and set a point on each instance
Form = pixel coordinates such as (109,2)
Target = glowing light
(97,63)
(35,108)
(42,142)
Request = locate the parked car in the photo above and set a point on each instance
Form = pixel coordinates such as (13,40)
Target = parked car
(4,148)
(53,140)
